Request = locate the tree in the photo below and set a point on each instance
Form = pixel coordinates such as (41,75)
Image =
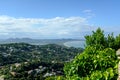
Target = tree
(97,38)
(98,61)
(117,42)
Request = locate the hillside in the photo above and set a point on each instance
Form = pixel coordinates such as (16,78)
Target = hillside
(25,61)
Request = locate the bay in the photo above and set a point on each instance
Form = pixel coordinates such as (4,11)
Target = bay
(76,44)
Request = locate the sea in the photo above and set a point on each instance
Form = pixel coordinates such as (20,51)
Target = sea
(76,44)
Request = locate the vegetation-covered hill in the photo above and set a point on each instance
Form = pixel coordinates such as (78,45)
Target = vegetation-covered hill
(32,70)
(22,61)
(20,52)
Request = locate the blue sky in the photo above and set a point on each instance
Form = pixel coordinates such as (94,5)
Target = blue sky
(57,18)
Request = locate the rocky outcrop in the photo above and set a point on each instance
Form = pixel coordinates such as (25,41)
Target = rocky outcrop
(118,54)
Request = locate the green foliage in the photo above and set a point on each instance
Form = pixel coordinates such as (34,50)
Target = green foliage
(98,61)
(55,78)
(98,38)
(92,63)
(117,42)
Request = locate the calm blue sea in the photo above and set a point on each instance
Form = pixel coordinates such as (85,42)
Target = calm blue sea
(76,44)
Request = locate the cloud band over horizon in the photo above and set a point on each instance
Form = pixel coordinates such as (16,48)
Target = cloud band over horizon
(58,27)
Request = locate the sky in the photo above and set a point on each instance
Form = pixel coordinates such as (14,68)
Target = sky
(57,19)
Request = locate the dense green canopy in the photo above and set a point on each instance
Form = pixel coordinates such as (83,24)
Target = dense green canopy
(98,61)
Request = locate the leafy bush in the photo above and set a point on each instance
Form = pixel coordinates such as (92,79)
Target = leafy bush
(97,62)
(98,38)
(93,64)
(55,78)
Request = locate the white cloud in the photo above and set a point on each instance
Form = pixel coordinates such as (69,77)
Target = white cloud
(89,13)
(58,27)
(4,33)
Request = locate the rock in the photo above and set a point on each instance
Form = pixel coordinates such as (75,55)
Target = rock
(118,52)
(118,71)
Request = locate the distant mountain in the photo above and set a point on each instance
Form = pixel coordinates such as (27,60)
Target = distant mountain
(36,41)
(19,39)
